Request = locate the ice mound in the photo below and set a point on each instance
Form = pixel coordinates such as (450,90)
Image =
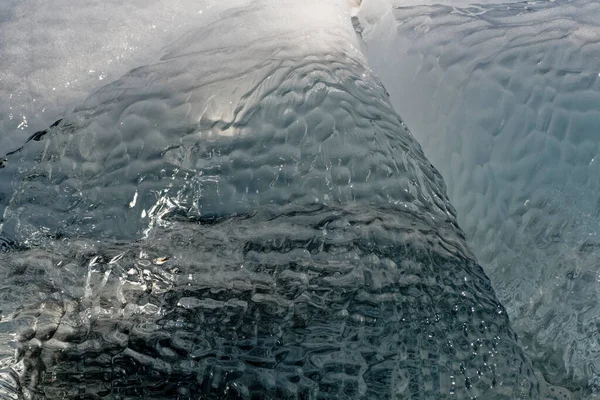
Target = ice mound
(247,216)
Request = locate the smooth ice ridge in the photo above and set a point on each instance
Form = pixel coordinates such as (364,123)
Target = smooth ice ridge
(505,100)
(248,216)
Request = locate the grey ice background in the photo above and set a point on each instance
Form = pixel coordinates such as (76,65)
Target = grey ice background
(505,100)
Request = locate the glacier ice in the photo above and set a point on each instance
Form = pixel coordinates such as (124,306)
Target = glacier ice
(244,214)
(504,99)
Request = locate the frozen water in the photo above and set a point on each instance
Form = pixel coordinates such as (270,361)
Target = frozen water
(505,100)
(246,216)
(313,248)
(53,54)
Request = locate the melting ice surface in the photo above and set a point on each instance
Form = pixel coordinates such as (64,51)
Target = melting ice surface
(245,215)
(505,100)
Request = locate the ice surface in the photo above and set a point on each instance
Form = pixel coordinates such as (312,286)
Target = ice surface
(246,216)
(54,53)
(505,100)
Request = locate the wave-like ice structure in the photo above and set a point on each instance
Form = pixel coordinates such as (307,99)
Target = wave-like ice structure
(505,100)
(246,218)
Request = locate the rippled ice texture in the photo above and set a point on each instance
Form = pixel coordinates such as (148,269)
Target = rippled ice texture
(312,250)
(54,53)
(505,100)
